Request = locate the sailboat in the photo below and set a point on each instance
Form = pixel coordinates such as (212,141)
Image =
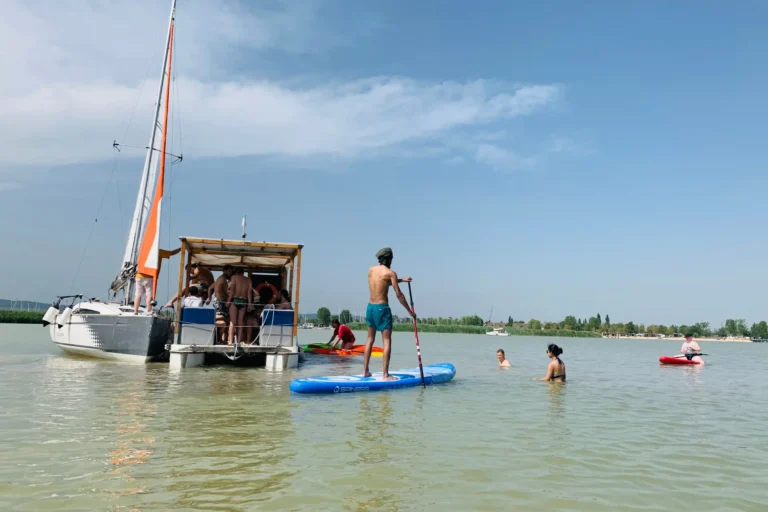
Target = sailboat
(498,331)
(112,330)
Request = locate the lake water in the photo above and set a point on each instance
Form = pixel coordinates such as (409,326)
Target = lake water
(622,434)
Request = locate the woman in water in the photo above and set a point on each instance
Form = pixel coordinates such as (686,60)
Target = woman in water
(556,368)
(503,363)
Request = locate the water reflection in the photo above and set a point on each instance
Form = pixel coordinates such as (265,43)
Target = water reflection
(557,393)
(374,428)
(378,445)
(230,440)
(132,443)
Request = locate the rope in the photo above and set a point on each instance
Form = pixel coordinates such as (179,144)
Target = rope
(93,226)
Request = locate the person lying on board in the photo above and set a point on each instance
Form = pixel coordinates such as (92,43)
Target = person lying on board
(502,358)
(555,368)
(690,348)
(345,335)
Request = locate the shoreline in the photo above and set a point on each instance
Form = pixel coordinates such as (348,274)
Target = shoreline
(655,338)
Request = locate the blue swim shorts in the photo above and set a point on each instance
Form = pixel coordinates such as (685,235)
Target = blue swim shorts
(378,316)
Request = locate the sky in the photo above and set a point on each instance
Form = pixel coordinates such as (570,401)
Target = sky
(538,159)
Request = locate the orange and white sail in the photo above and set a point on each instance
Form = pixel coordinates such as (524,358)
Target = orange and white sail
(149,253)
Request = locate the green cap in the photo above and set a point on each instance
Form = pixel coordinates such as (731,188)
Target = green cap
(384,254)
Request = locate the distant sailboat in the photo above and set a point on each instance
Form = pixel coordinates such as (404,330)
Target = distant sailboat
(498,331)
(111,329)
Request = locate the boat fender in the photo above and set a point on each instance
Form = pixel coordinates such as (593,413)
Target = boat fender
(63,318)
(271,287)
(50,316)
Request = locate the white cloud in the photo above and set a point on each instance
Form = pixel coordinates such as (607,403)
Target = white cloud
(5,187)
(568,146)
(64,123)
(502,159)
(72,41)
(80,68)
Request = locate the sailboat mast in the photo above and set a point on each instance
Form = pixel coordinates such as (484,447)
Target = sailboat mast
(150,162)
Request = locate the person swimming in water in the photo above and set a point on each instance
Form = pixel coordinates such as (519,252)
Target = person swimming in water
(690,349)
(555,368)
(503,363)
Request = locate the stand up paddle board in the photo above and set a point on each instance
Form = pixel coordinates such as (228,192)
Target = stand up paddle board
(325,349)
(433,374)
(676,360)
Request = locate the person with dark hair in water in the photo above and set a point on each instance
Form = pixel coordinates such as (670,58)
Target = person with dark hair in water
(503,363)
(556,368)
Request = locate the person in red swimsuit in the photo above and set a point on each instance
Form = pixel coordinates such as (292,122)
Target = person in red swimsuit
(345,335)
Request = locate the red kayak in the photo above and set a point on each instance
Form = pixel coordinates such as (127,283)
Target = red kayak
(356,350)
(676,360)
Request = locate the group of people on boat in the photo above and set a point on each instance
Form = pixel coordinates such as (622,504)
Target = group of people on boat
(238,304)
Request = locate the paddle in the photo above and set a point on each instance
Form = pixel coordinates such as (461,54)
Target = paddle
(416,333)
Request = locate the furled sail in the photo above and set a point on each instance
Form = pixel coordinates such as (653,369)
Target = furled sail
(141,213)
(149,252)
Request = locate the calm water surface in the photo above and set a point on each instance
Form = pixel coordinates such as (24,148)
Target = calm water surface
(622,434)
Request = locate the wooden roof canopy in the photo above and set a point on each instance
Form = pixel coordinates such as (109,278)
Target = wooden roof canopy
(215,254)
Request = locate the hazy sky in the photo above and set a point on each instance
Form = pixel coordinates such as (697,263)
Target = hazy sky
(543,158)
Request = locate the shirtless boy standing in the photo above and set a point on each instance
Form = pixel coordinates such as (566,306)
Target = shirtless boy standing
(240,300)
(378,315)
(219,291)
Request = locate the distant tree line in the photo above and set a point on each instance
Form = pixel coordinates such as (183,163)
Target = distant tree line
(731,327)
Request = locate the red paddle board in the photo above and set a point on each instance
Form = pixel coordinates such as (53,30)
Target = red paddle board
(675,360)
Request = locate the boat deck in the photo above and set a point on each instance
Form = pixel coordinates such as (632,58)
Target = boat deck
(277,357)
(227,349)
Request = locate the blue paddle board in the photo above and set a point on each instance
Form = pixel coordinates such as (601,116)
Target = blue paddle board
(433,374)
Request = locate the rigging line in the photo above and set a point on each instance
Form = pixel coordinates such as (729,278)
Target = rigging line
(138,97)
(175,113)
(178,101)
(117,185)
(93,227)
(170,203)
(118,145)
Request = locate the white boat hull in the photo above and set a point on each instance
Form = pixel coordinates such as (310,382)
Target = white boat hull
(108,331)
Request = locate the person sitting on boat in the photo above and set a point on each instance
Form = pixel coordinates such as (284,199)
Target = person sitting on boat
(201,277)
(193,300)
(555,368)
(203,284)
(283,300)
(502,358)
(690,349)
(346,337)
